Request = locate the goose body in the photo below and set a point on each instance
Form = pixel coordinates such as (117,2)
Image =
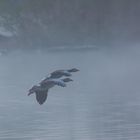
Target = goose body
(41,91)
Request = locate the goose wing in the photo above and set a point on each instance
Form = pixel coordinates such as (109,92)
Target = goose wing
(51,83)
(59,83)
(59,73)
(41,97)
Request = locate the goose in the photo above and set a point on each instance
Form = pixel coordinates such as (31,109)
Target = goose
(41,91)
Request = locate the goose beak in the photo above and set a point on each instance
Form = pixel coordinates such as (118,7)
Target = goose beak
(30,92)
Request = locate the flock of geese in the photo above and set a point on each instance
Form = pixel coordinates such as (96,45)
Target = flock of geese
(42,89)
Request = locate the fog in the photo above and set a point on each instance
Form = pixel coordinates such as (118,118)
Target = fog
(98,37)
(32,24)
(101,103)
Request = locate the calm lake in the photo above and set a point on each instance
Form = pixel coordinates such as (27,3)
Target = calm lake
(102,103)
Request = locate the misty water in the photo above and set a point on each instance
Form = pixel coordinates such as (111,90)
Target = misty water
(102,103)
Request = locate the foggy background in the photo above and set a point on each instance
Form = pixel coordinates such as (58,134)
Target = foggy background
(101,39)
(51,23)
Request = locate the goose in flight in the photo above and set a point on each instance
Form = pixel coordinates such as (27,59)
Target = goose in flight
(41,91)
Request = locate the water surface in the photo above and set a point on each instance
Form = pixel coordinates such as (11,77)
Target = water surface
(103,102)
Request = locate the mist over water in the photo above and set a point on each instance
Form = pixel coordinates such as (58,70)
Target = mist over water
(40,36)
(102,102)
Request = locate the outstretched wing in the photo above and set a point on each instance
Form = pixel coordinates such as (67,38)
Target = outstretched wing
(51,83)
(60,73)
(58,83)
(41,97)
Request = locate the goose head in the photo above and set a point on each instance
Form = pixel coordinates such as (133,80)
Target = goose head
(33,89)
